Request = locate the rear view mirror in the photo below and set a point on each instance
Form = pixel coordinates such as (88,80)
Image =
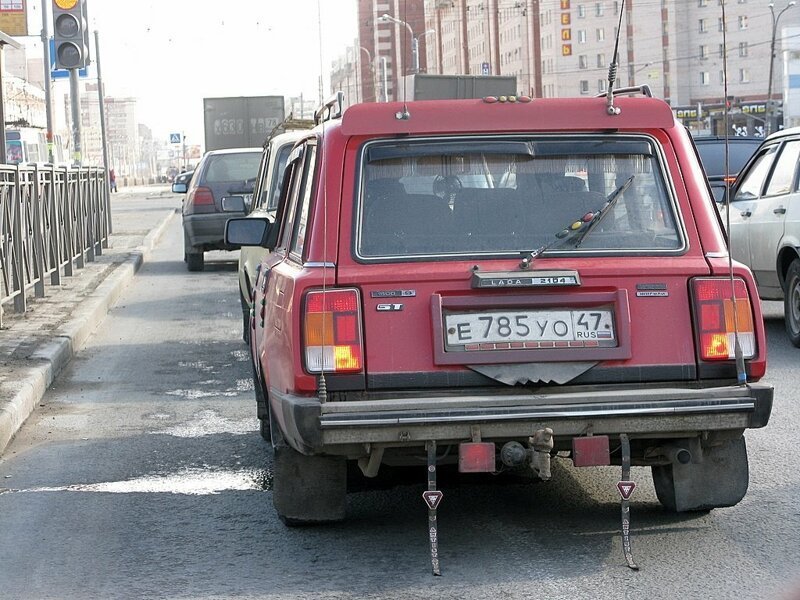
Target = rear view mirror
(234,204)
(721,191)
(179,188)
(252,231)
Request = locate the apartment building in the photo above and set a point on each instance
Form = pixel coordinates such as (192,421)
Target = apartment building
(564,48)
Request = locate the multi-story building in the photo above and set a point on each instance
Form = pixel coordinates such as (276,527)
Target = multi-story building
(390,48)
(676,47)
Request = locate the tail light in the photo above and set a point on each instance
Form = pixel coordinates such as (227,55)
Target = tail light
(717,319)
(332,331)
(202,200)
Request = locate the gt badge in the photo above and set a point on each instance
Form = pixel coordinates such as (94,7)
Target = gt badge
(388,307)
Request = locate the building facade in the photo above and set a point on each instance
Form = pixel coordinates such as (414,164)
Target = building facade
(561,48)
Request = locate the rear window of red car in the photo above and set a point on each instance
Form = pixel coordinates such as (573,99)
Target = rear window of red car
(468,196)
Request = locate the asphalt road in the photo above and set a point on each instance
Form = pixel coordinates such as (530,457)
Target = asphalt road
(142,475)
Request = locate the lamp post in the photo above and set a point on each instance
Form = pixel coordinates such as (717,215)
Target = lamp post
(371,72)
(419,37)
(414,41)
(775,19)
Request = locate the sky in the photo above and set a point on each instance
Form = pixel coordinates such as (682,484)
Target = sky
(170,54)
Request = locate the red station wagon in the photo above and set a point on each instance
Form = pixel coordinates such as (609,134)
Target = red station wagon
(490,282)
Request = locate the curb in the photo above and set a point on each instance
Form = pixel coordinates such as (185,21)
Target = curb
(51,358)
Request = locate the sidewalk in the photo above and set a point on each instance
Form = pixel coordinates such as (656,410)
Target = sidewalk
(36,345)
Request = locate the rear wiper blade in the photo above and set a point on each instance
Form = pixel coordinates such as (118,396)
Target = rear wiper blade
(580,229)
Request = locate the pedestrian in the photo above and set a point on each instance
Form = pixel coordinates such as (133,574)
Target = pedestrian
(112,179)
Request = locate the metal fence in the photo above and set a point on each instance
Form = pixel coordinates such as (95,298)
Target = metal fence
(52,221)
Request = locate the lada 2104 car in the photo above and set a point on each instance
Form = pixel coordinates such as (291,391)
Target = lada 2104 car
(503,281)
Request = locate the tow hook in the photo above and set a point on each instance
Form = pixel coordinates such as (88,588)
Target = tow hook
(540,445)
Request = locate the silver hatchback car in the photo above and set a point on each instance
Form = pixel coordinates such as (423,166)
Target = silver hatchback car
(765,222)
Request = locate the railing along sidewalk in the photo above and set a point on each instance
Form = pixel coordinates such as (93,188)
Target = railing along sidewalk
(52,221)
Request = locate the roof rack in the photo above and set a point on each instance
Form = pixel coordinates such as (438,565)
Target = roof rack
(332,109)
(644,90)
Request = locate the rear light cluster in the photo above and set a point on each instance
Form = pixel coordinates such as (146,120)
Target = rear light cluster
(201,199)
(332,323)
(717,319)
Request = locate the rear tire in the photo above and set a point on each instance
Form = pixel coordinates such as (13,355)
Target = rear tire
(791,302)
(308,490)
(719,479)
(195,261)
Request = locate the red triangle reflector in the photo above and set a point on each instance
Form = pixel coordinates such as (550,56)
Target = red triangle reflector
(626,489)
(432,498)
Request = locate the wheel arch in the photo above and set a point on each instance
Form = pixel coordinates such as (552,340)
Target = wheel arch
(786,256)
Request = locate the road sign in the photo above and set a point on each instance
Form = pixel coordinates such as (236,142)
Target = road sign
(485,68)
(61,73)
(174,138)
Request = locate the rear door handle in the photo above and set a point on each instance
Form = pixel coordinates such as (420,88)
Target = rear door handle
(746,213)
(780,210)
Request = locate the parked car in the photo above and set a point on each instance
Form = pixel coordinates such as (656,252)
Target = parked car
(183,179)
(220,187)
(712,155)
(265,201)
(502,280)
(765,223)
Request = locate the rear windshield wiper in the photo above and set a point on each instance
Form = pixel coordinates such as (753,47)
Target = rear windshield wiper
(579,229)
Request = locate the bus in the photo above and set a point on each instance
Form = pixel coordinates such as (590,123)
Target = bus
(28,145)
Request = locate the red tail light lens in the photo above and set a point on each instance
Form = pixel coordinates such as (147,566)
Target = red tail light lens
(332,331)
(718,317)
(202,196)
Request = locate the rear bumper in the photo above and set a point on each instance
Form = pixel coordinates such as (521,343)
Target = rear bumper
(207,231)
(312,427)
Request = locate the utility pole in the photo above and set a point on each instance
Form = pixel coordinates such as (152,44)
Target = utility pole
(775,20)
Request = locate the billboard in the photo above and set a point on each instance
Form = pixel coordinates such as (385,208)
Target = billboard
(13,17)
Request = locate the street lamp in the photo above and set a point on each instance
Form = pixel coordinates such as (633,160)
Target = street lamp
(772,56)
(419,37)
(414,41)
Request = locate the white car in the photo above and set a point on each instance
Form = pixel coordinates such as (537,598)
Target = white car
(765,223)
(265,201)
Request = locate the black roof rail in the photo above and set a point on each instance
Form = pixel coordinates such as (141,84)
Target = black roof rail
(644,90)
(332,109)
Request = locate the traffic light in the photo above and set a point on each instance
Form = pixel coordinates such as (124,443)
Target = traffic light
(71,34)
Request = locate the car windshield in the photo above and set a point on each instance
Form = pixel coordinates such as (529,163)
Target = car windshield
(233,167)
(467,197)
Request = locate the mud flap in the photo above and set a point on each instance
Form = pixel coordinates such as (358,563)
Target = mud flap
(717,479)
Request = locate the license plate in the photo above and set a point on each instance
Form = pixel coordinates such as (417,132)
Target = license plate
(530,328)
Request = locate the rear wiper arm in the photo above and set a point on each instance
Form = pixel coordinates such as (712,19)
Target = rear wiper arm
(580,228)
(600,214)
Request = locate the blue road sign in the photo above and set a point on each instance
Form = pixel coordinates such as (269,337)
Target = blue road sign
(174,138)
(485,68)
(61,73)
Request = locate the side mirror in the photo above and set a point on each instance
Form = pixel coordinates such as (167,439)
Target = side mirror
(721,191)
(179,188)
(234,204)
(253,231)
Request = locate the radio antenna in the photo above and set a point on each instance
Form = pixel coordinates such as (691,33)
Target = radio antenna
(322,389)
(612,68)
(741,373)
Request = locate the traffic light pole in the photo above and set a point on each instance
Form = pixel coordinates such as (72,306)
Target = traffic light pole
(48,101)
(101,100)
(75,101)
